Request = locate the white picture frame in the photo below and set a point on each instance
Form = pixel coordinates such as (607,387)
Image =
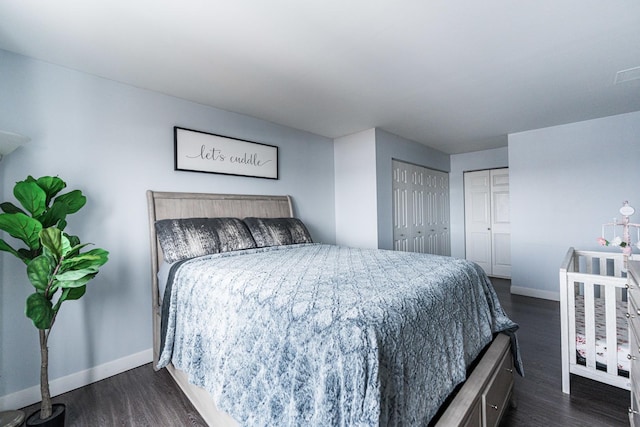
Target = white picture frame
(197,151)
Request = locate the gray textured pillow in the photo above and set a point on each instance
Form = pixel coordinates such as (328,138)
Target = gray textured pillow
(277,231)
(191,237)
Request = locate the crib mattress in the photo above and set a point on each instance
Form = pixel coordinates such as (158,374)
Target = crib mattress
(601,336)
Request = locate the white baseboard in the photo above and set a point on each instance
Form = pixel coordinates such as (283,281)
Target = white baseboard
(31,395)
(535,293)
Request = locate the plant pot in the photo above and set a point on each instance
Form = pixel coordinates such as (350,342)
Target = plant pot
(56,419)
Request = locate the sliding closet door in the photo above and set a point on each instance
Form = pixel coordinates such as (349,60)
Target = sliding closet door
(420,209)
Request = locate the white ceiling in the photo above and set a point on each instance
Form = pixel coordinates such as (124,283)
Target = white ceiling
(455,75)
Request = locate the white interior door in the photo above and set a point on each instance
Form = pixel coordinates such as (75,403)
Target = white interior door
(500,223)
(477,218)
(487,221)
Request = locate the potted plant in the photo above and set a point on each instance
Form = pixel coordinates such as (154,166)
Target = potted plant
(56,266)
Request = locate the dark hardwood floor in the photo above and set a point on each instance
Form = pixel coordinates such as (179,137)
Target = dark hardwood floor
(142,397)
(539,397)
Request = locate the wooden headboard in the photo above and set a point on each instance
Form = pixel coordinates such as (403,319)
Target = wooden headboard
(165,205)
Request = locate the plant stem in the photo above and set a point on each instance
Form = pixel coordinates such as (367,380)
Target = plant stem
(45,408)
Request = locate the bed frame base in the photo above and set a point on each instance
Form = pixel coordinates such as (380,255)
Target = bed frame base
(485,396)
(481,401)
(201,400)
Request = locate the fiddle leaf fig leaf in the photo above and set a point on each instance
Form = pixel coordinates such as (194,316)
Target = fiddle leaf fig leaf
(69,294)
(9,207)
(39,271)
(4,246)
(39,310)
(74,279)
(74,200)
(56,242)
(75,250)
(51,185)
(31,196)
(62,206)
(53,216)
(22,227)
(91,260)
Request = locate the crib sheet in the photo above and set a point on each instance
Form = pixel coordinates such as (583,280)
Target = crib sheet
(601,337)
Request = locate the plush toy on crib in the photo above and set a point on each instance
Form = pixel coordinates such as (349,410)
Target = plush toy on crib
(623,242)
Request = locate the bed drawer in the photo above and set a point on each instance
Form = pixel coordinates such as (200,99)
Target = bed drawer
(634,411)
(634,355)
(496,396)
(493,375)
(634,316)
(634,288)
(634,342)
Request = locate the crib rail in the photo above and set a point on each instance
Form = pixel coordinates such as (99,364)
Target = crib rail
(591,275)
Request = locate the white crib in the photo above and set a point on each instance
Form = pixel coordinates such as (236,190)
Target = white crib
(593,312)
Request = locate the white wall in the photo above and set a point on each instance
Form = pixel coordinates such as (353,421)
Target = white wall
(461,163)
(355,188)
(113,142)
(565,181)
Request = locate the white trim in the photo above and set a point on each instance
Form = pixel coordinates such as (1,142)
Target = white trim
(31,395)
(535,293)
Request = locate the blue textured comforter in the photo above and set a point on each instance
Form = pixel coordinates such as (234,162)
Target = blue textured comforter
(324,335)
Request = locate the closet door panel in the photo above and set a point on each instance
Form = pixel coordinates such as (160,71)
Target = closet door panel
(402,207)
(421,209)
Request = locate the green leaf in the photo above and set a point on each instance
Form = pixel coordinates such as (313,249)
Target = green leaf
(73,275)
(62,206)
(51,185)
(74,281)
(72,293)
(74,200)
(53,239)
(39,310)
(9,207)
(92,259)
(22,227)
(39,271)
(31,196)
(76,246)
(4,246)
(53,216)
(28,254)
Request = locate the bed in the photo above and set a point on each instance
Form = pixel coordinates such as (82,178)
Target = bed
(315,346)
(593,315)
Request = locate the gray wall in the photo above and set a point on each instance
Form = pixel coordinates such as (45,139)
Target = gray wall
(565,182)
(114,142)
(461,163)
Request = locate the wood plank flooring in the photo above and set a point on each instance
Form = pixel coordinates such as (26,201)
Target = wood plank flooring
(142,397)
(539,394)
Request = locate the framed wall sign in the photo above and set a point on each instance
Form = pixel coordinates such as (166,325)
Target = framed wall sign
(197,151)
